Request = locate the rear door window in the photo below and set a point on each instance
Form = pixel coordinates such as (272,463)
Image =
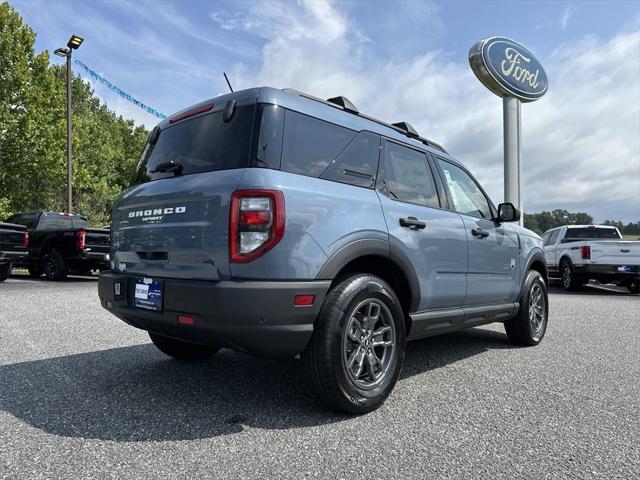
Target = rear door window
(200,144)
(310,144)
(28,220)
(408,177)
(554,237)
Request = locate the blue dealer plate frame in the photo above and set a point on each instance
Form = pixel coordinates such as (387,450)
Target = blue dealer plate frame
(148,294)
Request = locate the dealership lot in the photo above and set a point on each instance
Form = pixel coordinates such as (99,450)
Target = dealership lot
(82,394)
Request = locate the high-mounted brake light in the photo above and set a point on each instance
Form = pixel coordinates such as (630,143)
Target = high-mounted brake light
(191,113)
(25,240)
(81,237)
(585,252)
(256,223)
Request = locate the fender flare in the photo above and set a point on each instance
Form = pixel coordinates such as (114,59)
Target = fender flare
(365,247)
(537,255)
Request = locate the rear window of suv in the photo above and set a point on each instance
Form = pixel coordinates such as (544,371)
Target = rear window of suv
(200,144)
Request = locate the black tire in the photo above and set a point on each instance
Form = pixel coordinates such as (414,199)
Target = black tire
(5,271)
(35,271)
(55,267)
(523,329)
(331,347)
(569,279)
(182,350)
(634,287)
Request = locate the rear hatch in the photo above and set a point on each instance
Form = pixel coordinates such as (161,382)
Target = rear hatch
(12,237)
(175,222)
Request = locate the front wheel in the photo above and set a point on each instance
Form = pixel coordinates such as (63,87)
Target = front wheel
(182,350)
(530,324)
(355,355)
(634,287)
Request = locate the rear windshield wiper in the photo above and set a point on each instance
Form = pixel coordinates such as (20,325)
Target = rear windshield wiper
(168,166)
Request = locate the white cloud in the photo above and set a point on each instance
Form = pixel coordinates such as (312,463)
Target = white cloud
(567,13)
(581,146)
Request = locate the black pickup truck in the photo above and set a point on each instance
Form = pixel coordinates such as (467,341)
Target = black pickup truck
(14,240)
(60,243)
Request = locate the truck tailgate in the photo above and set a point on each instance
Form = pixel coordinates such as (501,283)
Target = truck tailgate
(612,252)
(12,237)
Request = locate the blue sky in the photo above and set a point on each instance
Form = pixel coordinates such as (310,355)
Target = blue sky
(401,60)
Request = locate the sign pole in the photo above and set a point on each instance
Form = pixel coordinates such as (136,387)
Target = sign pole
(512,163)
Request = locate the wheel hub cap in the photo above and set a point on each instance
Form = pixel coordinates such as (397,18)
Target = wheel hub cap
(537,308)
(369,343)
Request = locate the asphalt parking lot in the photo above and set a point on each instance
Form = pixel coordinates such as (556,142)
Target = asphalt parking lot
(84,395)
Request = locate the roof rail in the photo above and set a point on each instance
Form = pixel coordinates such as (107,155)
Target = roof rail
(343,103)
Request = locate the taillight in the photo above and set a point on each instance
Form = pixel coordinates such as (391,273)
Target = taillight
(585,252)
(25,240)
(256,223)
(81,237)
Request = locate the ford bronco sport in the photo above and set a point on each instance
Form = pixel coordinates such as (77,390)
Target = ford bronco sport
(279,224)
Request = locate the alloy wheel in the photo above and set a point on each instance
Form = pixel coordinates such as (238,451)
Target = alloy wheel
(369,343)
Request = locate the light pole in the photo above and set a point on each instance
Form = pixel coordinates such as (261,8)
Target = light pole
(73,44)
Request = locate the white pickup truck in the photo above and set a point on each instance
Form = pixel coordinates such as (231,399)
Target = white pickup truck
(579,253)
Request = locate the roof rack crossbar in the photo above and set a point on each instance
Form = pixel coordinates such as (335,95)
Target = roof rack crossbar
(403,128)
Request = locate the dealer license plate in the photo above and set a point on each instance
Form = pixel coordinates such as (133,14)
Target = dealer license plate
(148,294)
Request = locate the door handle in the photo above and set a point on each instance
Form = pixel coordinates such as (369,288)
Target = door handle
(413,223)
(478,232)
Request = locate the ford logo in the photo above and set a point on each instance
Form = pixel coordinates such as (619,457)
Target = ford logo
(508,69)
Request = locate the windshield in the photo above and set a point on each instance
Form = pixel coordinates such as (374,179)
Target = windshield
(201,144)
(591,233)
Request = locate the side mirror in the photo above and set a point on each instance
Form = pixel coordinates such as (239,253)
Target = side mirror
(507,212)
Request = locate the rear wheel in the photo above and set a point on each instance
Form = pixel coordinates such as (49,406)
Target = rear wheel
(569,278)
(355,355)
(5,271)
(530,324)
(634,287)
(182,350)
(55,267)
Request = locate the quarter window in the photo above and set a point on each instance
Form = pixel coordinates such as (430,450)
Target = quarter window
(357,163)
(464,192)
(408,176)
(310,145)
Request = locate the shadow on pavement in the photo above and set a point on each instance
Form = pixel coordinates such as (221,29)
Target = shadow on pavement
(591,289)
(137,394)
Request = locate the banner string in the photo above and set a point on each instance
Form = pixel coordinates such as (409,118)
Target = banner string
(123,94)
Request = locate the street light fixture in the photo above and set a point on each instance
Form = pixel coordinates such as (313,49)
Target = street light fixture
(74,42)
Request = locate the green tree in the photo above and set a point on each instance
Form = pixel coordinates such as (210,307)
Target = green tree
(106,146)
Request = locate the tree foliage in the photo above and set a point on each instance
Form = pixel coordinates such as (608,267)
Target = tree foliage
(33,165)
(543,221)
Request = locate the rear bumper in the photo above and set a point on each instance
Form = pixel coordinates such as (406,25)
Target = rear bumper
(609,273)
(257,317)
(88,259)
(13,257)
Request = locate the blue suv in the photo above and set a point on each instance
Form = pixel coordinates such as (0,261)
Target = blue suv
(279,224)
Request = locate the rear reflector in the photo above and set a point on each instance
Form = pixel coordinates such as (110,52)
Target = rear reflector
(303,300)
(185,320)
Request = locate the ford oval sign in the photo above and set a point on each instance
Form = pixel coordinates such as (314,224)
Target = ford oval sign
(508,69)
